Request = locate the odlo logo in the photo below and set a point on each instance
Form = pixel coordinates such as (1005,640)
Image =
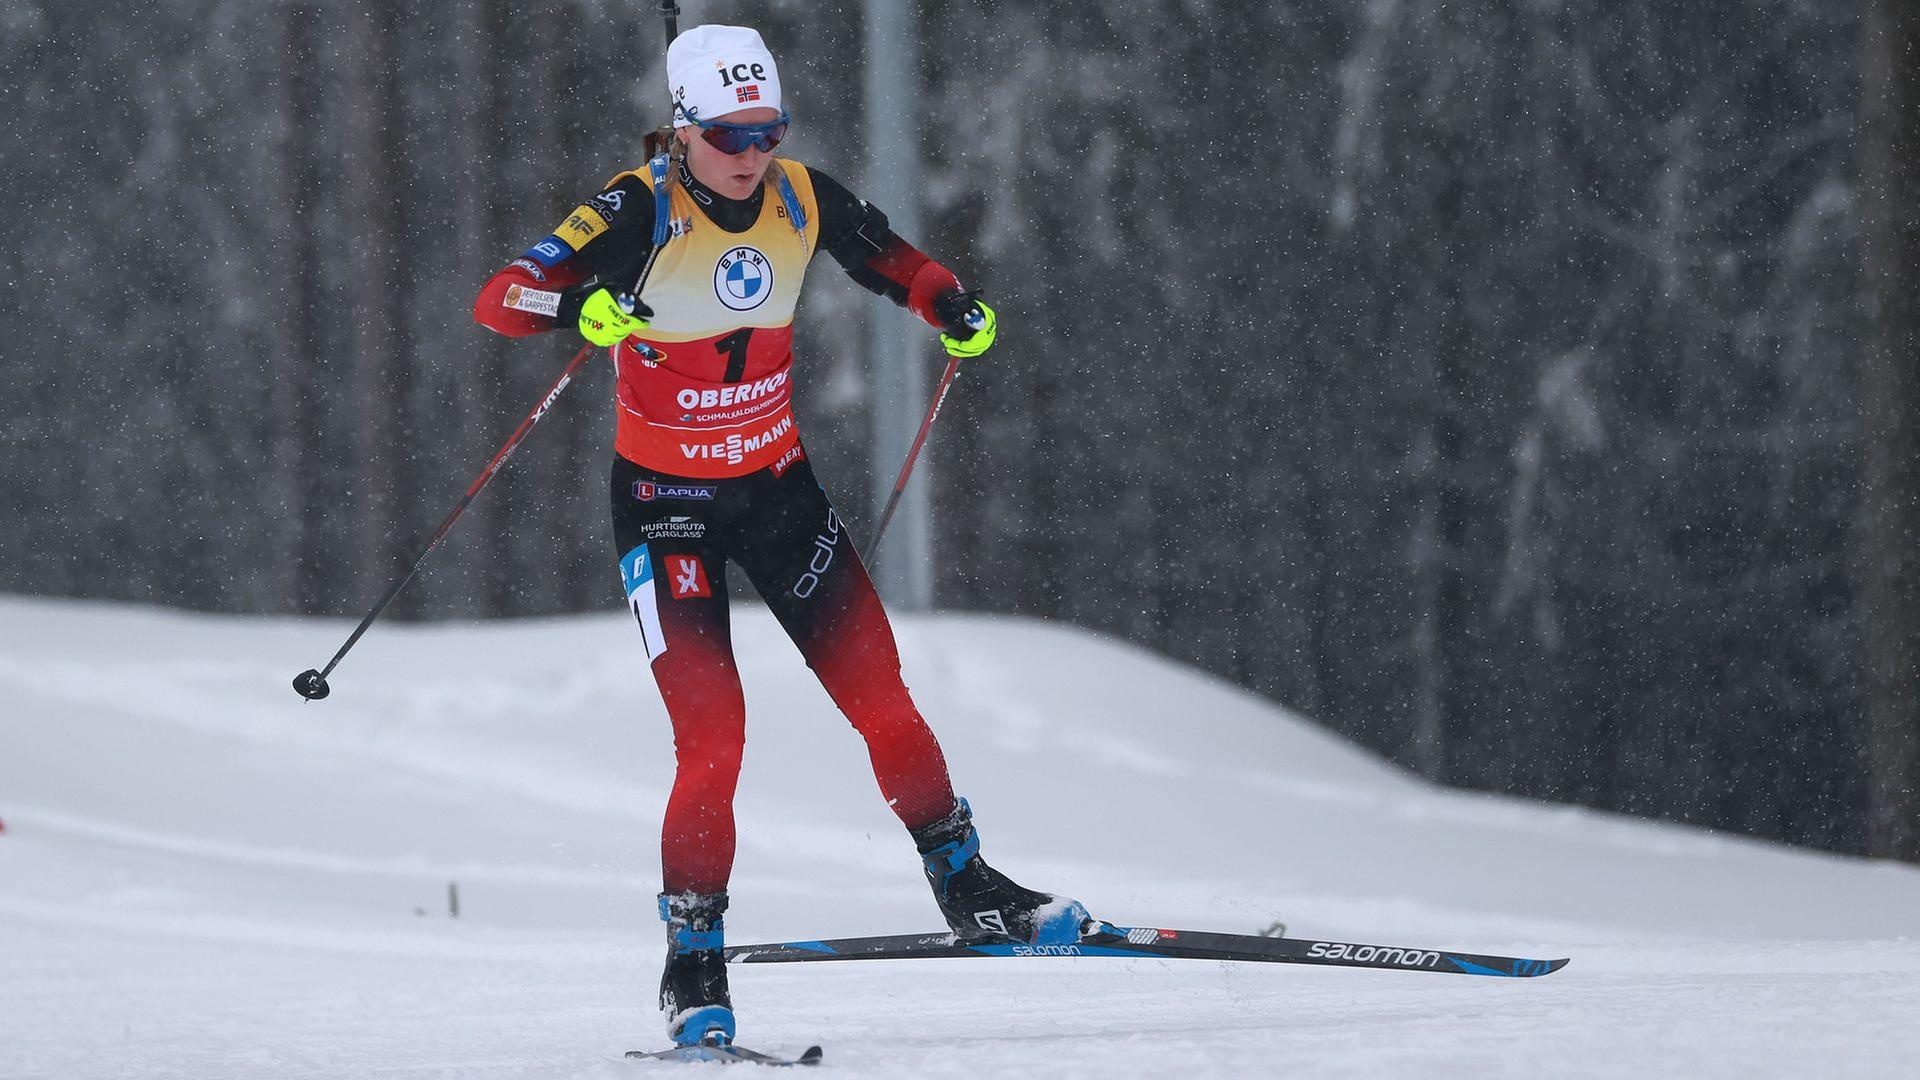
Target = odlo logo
(824,547)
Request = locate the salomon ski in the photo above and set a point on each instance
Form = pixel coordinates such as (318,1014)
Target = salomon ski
(725,1053)
(1106,939)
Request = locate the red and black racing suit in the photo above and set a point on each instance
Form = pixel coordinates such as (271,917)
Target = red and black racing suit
(709,468)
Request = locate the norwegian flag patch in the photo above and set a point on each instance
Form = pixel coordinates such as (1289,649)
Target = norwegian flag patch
(749,92)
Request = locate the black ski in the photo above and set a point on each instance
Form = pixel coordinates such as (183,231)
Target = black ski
(726,1054)
(1106,939)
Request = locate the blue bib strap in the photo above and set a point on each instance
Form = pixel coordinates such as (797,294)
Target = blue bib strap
(796,216)
(662,202)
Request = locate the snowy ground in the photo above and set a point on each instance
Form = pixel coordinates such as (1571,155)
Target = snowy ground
(202,876)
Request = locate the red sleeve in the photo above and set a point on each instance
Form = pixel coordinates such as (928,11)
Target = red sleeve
(516,302)
(908,267)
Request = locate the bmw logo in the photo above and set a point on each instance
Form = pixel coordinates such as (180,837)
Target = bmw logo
(743,279)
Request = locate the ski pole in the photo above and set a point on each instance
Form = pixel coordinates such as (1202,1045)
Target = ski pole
(312,684)
(975,320)
(913,454)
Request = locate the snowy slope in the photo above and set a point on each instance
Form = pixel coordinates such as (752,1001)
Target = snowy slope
(203,876)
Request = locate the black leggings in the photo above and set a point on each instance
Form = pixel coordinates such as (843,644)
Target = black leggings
(675,536)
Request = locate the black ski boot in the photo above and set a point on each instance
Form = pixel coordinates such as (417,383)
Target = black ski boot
(693,989)
(979,902)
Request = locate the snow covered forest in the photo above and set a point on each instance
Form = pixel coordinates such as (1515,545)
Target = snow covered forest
(1487,380)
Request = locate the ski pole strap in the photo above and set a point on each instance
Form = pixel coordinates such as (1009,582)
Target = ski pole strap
(662,202)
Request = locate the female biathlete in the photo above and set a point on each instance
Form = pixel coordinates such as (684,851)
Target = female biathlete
(709,467)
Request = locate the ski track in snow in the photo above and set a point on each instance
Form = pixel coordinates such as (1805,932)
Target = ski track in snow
(202,876)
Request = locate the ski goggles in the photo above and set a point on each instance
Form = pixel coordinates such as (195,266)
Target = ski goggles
(735,138)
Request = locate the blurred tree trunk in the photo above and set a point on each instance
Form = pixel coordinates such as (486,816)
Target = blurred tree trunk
(376,216)
(1891,589)
(296,355)
(576,476)
(487,66)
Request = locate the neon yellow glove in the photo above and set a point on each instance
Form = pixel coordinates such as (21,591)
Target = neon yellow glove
(982,329)
(604,322)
